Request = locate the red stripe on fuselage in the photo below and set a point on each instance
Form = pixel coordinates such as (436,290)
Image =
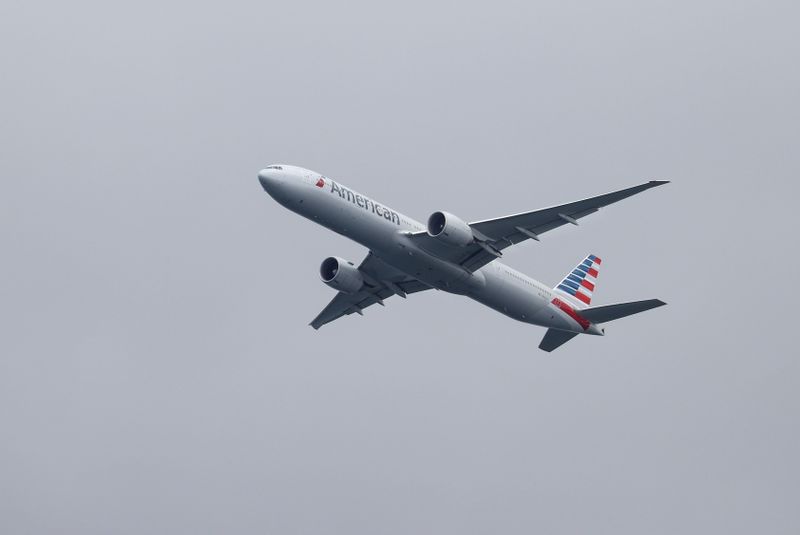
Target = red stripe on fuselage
(569,311)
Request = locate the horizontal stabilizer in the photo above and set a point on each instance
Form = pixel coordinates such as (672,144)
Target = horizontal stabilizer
(606,313)
(554,338)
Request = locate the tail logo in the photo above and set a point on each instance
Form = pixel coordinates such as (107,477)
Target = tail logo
(581,281)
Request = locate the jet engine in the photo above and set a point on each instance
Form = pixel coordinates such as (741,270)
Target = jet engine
(449,229)
(341,275)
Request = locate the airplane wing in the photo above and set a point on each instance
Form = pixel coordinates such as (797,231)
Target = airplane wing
(380,281)
(494,235)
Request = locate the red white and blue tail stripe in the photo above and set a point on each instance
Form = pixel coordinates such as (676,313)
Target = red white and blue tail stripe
(580,283)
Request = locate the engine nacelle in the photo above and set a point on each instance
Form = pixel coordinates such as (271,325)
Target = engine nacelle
(341,275)
(449,229)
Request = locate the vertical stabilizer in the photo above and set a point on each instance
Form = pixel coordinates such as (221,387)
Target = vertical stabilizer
(579,284)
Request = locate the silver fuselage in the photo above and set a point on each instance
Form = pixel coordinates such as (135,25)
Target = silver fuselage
(385,232)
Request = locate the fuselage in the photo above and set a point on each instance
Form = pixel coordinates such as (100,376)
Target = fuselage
(385,232)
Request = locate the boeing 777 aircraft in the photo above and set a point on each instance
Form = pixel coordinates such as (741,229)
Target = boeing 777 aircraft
(450,255)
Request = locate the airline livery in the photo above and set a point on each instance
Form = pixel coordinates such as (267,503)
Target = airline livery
(449,254)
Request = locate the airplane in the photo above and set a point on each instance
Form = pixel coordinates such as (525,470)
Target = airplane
(450,255)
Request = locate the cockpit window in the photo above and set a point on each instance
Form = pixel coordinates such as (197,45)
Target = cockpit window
(274,167)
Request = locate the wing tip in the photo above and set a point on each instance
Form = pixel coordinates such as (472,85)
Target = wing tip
(655,183)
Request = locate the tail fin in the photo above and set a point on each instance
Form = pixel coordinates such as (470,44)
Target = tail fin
(606,313)
(580,282)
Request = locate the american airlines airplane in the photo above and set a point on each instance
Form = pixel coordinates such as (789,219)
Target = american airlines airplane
(449,254)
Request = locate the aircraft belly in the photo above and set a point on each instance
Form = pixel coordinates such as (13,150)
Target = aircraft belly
(430,270)
(508,297)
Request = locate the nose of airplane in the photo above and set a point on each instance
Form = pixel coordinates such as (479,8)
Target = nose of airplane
(268,178)
(263,177)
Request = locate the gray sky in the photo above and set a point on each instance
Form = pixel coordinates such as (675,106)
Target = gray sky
(157,374)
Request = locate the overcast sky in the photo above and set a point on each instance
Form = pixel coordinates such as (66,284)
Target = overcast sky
(157,371)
